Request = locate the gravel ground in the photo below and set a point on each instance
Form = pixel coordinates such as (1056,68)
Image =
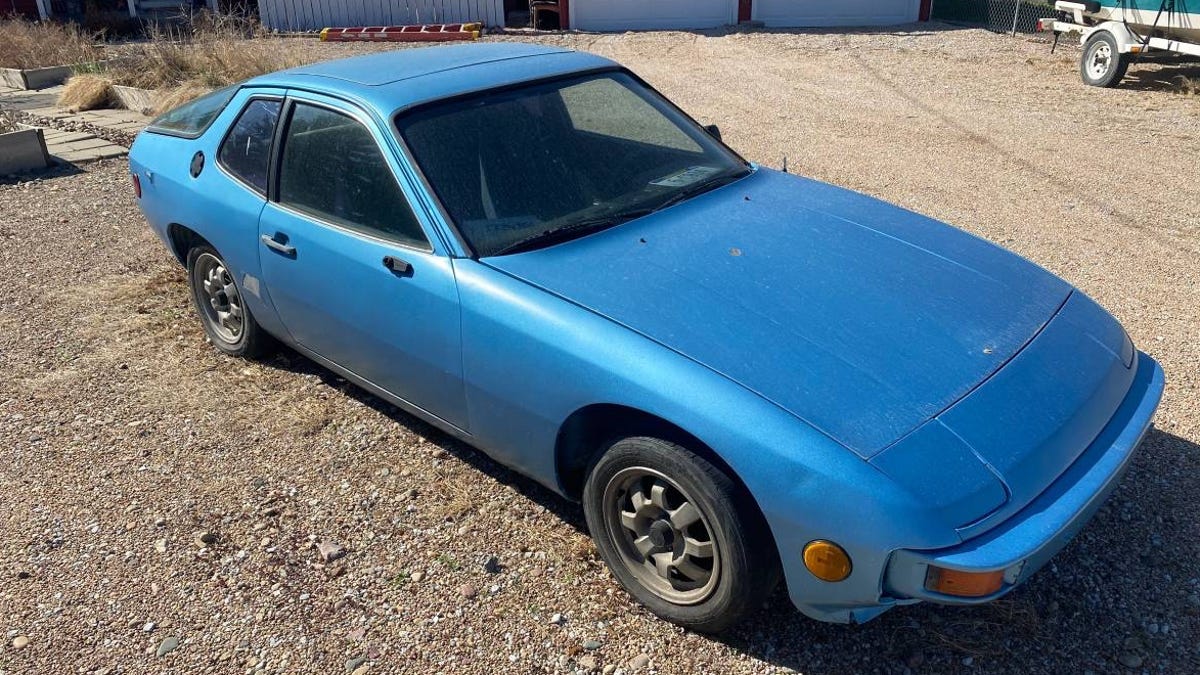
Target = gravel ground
(170,510)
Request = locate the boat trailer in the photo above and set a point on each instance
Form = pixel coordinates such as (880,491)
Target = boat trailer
(1111,40)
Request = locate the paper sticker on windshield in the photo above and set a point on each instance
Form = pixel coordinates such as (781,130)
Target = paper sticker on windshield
(688,176)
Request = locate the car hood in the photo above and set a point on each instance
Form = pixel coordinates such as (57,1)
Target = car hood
(859,317)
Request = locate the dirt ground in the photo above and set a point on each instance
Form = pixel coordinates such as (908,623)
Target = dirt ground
(124,436)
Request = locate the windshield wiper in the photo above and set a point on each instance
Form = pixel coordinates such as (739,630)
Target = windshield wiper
(574,230)
(697,189)
(596,223)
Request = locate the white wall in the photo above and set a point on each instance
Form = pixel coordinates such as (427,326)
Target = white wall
(290,15)
(619,15)
(835,12)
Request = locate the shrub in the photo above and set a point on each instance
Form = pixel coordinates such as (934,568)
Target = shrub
(86,91)
(8,121)
(191,58)
(25,44)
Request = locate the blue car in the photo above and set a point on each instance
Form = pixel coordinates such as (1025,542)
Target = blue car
(745,376)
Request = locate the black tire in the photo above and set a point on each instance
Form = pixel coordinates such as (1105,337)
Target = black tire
(743,569)
(246,339)
(1102,65)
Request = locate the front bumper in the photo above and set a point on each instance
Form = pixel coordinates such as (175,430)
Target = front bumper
(1025,542)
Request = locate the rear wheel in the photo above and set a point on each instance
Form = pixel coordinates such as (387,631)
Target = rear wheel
(227,321)
(678,534)
(1102,64)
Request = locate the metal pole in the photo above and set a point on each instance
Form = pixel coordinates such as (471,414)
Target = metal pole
(1016,15)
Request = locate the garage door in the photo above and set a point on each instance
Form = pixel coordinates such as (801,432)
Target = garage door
(840,13)
(643,15)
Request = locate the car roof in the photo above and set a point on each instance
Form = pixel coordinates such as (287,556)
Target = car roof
(396,79)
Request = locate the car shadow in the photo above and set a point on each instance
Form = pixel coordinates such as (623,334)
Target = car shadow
(57,169)
(1175,76)
(569,512)
(1094,581)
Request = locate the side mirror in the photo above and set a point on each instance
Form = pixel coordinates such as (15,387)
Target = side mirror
(714,131)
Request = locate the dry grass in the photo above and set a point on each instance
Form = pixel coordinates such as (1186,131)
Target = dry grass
(1189,86)
(173,97)
(8,121)
(86,92)
(188,60)
(24,44)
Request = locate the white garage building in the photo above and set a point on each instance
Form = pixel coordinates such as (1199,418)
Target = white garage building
(593,15)
(618,15)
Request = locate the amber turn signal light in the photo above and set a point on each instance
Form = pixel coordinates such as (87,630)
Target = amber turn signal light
(963,584)
(826,560)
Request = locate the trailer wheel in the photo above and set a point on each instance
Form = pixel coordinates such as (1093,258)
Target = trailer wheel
(1103,64)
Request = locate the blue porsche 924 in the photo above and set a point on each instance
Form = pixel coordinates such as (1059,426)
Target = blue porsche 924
(743,375)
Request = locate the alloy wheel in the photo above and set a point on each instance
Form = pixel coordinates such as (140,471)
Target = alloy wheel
(664,538)
(220,300)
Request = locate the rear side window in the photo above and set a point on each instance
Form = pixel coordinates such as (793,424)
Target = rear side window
(192,119)
(246,151)
(332,168)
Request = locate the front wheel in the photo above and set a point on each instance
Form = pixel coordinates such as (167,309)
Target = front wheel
(679,534)
(1102,64)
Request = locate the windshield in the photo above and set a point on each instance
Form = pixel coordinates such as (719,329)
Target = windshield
(537,165)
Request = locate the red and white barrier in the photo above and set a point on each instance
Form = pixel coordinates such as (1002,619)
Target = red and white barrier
(429,32)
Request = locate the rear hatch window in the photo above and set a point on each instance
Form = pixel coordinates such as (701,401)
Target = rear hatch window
(193,118)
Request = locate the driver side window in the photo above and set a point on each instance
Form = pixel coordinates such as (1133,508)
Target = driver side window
(333,169)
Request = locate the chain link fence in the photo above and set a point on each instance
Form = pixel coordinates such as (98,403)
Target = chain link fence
(1002,16)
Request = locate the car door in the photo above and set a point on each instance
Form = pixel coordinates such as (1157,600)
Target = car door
(354,272)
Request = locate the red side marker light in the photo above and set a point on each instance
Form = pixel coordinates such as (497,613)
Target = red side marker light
(137,185)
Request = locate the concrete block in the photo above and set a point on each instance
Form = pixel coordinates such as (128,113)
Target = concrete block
(34,78)
(23,150)
(87,143)
(91,154)
(132,98)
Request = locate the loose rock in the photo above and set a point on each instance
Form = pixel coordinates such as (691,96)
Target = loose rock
(1130,660)
(167,646)
(329,551)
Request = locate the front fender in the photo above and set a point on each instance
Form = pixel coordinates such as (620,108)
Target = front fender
(531,358)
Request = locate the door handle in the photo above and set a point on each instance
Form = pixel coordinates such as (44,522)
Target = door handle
(397,266)
(276,245)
